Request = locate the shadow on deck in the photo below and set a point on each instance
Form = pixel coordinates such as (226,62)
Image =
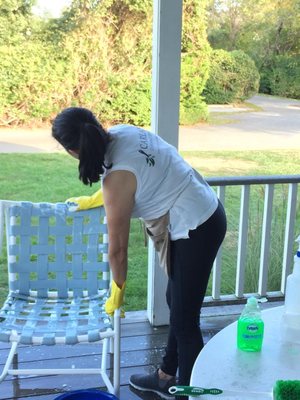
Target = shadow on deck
(142,347)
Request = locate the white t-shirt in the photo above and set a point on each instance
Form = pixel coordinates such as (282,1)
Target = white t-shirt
(165,182)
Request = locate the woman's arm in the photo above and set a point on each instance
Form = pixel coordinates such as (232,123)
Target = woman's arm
(119,189)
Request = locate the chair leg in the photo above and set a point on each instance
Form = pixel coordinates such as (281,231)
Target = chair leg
(104,354)
(117,347)
(9,360)
(111,345)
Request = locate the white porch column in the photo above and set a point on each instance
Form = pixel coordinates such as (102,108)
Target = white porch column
(167,26)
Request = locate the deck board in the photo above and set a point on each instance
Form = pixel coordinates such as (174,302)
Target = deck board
(142,347)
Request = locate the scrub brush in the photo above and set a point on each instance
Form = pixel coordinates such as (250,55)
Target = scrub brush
(286,390)
(283,390)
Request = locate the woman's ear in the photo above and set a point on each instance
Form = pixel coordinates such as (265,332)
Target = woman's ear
(74,153)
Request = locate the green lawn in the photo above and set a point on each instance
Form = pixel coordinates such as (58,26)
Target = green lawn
(54,177)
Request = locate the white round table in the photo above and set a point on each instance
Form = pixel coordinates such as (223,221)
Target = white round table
(221,365)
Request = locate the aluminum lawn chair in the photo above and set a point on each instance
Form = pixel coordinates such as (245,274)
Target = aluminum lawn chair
(59,281)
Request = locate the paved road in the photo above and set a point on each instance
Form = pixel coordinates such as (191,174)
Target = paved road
(275,126)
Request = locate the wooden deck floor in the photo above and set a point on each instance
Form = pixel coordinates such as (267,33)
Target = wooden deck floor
(141,349)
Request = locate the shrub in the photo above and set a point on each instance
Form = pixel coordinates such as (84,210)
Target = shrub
(233,77)
(99,58)
(282,77)
(33,83)
(194,62)
(192,105)
(126,101)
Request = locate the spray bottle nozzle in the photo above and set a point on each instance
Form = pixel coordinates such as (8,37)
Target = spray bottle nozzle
(298,241)
(252,301)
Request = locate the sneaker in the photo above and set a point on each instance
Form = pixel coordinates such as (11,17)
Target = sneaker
(152,383)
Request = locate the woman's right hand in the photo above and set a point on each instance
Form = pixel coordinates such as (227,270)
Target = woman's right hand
(85,202)
(119,189)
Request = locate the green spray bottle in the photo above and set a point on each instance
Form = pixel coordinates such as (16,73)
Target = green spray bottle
(250,327)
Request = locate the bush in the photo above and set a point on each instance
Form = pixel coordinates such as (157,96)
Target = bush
(99,58)
(282,77)
(126,101)
(194,62)
(33,84)
(233,77)
(111,61)
(192,105)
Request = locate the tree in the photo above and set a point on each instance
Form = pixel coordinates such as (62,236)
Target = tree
(111,51)
(99,55)
(31,69)
(15,20)
(233,77)
(195,62)
(264,30)
(272,28)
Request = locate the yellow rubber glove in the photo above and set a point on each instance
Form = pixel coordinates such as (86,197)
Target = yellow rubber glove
(85,202)
(115,299)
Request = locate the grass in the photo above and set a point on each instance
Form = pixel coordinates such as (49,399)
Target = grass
(220,118)
(223,117)
(54,177)
(240,163)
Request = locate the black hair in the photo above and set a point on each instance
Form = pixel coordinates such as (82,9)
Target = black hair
(77,129)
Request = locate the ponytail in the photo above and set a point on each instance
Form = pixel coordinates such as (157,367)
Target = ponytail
(92,148)
(77,129)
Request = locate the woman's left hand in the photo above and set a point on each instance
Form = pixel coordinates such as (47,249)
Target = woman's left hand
(115,299)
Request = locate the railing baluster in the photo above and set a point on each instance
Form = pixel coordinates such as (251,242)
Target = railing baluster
(242,241)
(246,182)
(289,234)
(216,280)
(265,242)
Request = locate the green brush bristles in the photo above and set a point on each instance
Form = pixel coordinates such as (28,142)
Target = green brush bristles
(286,390)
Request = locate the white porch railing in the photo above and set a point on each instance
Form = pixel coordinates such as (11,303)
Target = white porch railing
(257,254)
